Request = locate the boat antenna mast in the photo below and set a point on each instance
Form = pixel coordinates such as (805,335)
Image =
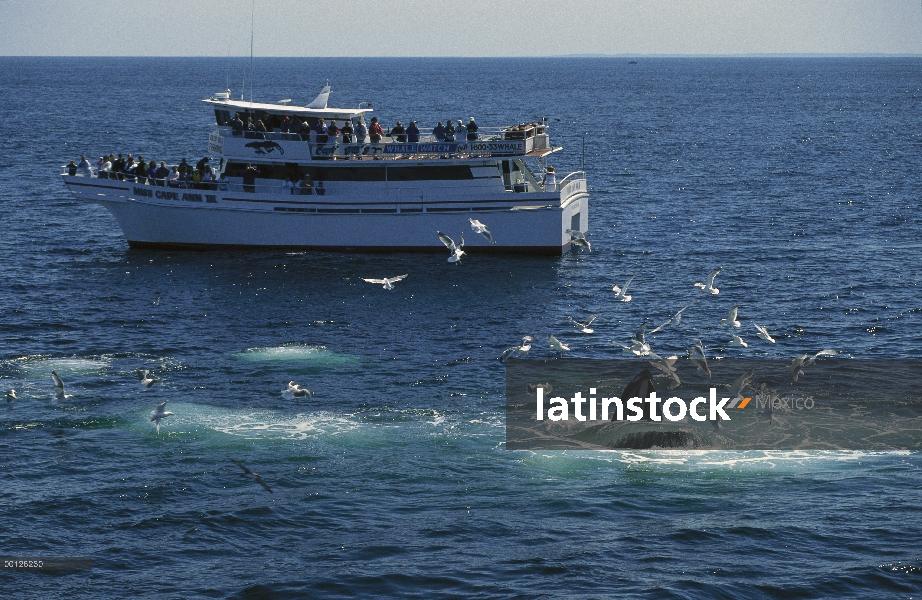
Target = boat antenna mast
(252,22)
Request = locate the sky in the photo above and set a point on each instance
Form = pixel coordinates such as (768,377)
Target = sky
(459,28)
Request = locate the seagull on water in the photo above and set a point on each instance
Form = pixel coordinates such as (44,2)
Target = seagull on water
(621,292)
(146,379)
(696,355)
(738,341)
(11,395)
(159,413)
(254,476)
(556,346)
(387,282)
(763,333)
(584,327)
(531,388)
(58,385)
(578,238)
(517,350)
(480,228)
(456,251)
(731,318)
(709,286)
(298,391)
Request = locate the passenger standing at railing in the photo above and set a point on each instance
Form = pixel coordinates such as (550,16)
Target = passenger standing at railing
(238,124)
(307,184)
(118,167)
(550,180)
(305,131)
(72,168)
(152,172)
(162,174)
(130,169)
(103,167)
(449,131)
(333,131)
(347,132)
(399,133)
(141,170)
(375,132)
(321,130)
(208,179)
(472,130)
(223,183)
(261,129)
(439,132)
(360,132)
(413,133)
(185,170)
(249,179)
(84,168)
(460,131)
(172,179)
(285,126)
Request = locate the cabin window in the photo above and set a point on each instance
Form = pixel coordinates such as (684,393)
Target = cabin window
(438,172)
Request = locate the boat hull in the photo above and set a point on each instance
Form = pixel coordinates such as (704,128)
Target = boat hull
(520,223)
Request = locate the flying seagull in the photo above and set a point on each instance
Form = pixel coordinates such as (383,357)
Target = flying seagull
(455,250)
(730,320)
(254,476)
(709,287)
(696,355)
(675,320)
(667,366)
(805,360)
(763,333)
(146,379)
(578,238)
(480,228)
(556,346)
(296,390)
(621,292)
(639,346)
(738,341)
(517,350)
(584,327)
(387,282)
(159,413)
(742,382)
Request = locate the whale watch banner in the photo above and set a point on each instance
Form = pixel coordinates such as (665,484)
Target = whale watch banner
(811,402)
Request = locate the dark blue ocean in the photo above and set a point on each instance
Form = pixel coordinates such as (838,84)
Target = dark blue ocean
(799,177)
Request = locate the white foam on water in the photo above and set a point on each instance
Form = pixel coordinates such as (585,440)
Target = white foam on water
(755,461)
(42,366)
(251,424)
(302,353)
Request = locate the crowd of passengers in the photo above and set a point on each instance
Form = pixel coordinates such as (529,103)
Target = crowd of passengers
(374,132)
(126,168)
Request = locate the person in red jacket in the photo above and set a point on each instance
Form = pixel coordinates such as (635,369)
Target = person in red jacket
(374,131)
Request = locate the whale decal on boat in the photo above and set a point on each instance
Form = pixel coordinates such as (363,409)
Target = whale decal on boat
(267,147)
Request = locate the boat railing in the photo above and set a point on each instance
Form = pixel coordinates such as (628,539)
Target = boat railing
(574,183)
(486,141)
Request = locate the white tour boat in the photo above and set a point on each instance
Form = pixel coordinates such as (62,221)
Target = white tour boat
(350,194)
